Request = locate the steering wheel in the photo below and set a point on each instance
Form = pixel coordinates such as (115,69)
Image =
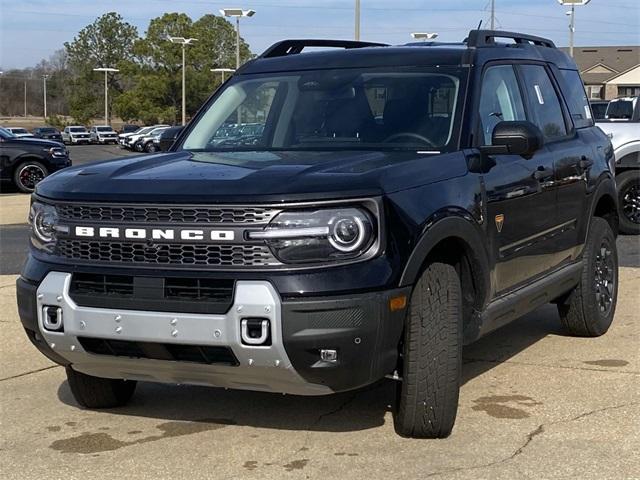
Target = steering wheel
(395,136)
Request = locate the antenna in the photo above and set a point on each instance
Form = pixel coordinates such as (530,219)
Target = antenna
(479,25)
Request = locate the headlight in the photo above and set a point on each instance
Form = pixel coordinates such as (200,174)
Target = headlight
(44,225)
(316,236)
(58,152)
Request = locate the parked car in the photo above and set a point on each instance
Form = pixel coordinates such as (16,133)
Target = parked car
(353,241)
(128,128)
(103,134)
(19,132)
(131,139)
(75,134)
(48,133)
(145,143)
(26,161)
(167,138)
(622,125)
(599,108)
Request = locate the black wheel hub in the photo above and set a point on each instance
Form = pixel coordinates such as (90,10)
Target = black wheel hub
(631,203)
(604,278)
(30,175)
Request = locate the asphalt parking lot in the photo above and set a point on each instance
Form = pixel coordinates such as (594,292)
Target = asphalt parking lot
(534,404)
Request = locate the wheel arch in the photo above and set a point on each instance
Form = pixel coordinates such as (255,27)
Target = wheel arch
(456,240)
(26,157)
(605,204)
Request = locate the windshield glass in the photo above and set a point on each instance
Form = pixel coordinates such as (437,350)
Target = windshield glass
(19,130)
(77,129)
(620,109)
(103,129)
(48,130)
(382,109)
(4,133)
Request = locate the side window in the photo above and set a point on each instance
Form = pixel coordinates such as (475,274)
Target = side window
(543,102)
(500,99)
(577,101)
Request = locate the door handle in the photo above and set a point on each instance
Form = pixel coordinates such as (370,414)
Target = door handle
(542,173)
(585,163)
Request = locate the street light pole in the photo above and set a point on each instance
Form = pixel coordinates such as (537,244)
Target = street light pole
(357,25)
(222,72)
(572,20)
(237,13)
(106,71)
(493,14)
(184,42)
(44,94)
(25,98)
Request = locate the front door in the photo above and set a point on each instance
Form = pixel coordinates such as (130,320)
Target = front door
(521,206)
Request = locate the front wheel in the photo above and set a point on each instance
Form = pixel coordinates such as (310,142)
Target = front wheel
(150,147)
(427,397)
(588,310)
(27,175)
(96,392)
(629,201)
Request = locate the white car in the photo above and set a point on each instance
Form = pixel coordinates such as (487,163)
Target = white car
(103,134)
(19,132)
(145,143)
(75,134)
(131,139)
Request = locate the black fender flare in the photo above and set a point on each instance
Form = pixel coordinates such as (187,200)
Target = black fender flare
(606,187)
(462,227)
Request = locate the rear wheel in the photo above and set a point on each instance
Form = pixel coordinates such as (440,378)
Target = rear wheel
(629,201)
(150,147)
(427,397)
(96,392)
(27,175)
(588,310)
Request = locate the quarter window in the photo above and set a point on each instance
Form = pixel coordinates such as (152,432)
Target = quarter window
(500,99)
(543,102)
(576,99)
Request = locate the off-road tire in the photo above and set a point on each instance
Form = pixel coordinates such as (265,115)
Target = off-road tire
(22,184)
(581,313)
(95,392)
(427,397)
(628,186)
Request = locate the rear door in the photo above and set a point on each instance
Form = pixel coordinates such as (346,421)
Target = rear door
(520,199)
(569,149)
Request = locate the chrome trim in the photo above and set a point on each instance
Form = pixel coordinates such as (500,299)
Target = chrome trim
(283,233)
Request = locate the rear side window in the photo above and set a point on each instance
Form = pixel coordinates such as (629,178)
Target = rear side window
(543,102)
(577,100)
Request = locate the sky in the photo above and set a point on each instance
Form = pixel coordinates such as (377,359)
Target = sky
(31,30)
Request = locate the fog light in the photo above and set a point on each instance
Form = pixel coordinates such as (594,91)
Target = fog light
(330,356)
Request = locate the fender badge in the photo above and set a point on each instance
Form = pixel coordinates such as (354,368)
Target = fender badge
(499,222)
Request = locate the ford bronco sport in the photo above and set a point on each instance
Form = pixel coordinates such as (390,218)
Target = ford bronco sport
(398,203)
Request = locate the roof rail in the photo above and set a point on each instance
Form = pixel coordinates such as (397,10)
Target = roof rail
(487,38)
(292,47)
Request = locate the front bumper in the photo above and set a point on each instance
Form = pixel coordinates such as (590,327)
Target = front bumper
(361,328)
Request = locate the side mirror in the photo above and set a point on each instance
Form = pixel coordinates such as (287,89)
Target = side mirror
(515,138)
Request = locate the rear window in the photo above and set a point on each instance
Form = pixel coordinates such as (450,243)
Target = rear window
(620,110)
(577,101)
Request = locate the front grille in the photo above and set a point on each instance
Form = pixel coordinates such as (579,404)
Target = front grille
(151,214)
(206,354)
(167,253)
(187,295)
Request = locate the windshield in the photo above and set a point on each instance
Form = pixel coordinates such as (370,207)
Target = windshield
(77,129)
(48,130)
(103,129)
(4,133)
(382,109)
(19,130)
(620,109)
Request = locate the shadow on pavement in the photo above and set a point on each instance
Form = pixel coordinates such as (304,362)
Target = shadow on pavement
(363,409)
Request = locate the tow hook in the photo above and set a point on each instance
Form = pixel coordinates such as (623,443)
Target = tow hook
(255,331)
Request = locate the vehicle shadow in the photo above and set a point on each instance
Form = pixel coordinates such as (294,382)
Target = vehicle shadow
(344,412)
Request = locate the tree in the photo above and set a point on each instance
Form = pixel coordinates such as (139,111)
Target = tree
(158,80)
(107,42)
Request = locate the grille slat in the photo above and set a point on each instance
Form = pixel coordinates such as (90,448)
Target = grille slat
(153,214)
(167,253)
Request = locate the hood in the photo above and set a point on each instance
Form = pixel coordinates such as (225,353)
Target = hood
(202,177)
(37,142)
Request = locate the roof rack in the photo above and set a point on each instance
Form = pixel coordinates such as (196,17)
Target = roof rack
(292,47)
(487,38)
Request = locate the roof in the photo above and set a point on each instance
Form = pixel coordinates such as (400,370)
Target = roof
(600,64)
